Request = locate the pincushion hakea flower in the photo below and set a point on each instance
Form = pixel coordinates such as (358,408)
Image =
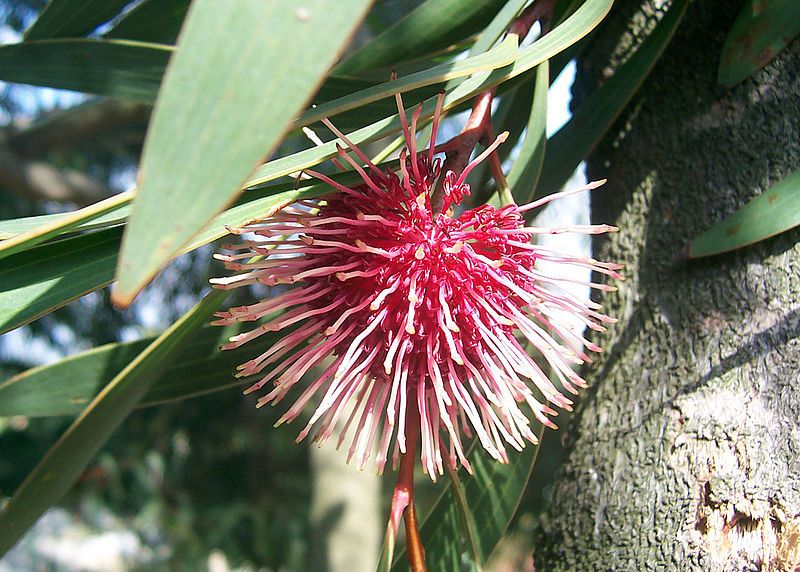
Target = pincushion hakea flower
(411,311)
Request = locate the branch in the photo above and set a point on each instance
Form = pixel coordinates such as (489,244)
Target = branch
(79,126)
(40,181)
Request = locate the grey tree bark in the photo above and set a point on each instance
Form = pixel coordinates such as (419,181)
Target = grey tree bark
(345,514)
(684,454)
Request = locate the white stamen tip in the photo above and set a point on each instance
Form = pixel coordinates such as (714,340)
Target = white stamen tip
(420,253)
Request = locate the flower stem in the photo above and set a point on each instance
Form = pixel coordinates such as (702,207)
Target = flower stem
(403,499)
(415,551)
(540,11)
(478,128)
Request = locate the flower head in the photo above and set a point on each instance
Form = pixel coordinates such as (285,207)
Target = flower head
(411,313)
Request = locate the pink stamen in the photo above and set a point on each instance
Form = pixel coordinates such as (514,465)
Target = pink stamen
(435,127)
(424,314)
(480,158)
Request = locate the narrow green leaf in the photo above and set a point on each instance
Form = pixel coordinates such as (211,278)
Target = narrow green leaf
(201,367)
(433,25)
(770,213)
(35,224)
(511,114)
(62,224)
(762,29)
(117,68)
(27,232)
(220,111)
(561,37)
(68,458)
(73,18)
(525,171)
(573,142)
(467,524)
(255,205)
(133,70)
(152,21)
(46,277)
(14,226)
(497,27)
(502,55)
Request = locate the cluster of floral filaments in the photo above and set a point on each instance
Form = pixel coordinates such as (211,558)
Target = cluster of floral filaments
(410,314)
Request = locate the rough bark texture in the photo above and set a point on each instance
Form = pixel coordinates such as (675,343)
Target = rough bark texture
(685,452)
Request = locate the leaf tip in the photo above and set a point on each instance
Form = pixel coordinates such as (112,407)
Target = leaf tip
(120,299)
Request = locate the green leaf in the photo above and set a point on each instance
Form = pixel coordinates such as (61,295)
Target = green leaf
(35,286)
(219,112)
(156,21)
(36,224)
(560,38)
(64,223)
(69,456)
(255,205)
(525,171)
(498,26)
(46,277)
(511,114)
(433,25)
(473,513)
(505,115)
(564,35)
(201,367)
(14,226)
(502,55)
(595,116)
(770,213)
(73,18)
(117,68)
(762,29)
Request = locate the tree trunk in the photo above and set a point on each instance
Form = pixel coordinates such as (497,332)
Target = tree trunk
(684,454)
(345,514)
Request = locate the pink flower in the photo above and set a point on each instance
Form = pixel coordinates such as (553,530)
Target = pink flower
(403,307)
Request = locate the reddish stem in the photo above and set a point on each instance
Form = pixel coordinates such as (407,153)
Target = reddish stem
(415,551)
(478,128)
(540,11)
(403,498)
